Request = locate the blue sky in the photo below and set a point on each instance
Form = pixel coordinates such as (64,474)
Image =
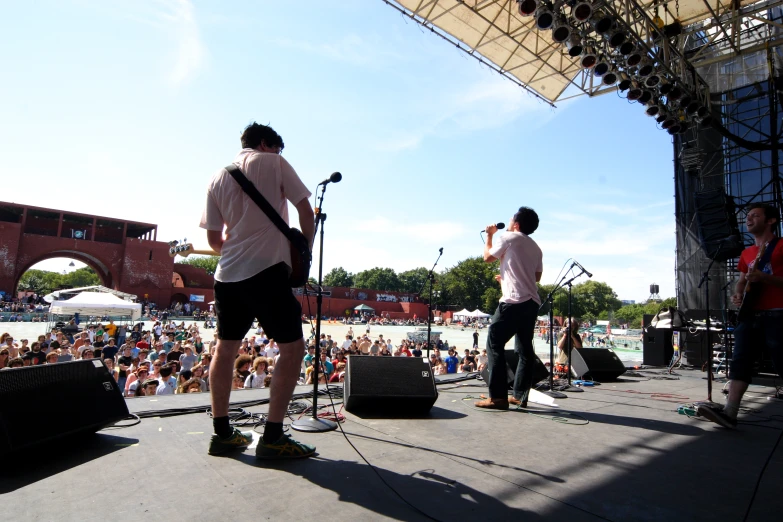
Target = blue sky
(126,109)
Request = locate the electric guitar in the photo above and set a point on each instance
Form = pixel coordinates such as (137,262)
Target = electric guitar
(185,249)
(751,293)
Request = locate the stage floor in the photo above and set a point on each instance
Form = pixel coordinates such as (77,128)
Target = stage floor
(631,458)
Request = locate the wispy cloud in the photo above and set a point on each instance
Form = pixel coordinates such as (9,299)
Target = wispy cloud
(175,19)
(488,104)
(351,49)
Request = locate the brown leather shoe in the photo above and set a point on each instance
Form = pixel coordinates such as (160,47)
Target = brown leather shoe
(516,402)
(492,404)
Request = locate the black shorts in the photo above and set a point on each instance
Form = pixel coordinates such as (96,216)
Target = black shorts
(267,297)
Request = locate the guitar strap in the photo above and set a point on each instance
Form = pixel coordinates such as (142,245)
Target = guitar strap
(253,193)
(767,254)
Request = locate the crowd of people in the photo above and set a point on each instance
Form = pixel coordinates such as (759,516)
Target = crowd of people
(173,358)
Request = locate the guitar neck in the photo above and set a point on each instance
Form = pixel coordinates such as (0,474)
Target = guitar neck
(203,252)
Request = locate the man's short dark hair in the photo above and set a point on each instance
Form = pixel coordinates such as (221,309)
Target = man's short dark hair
(527,219)
(770,211)
(165,371)
(256,134)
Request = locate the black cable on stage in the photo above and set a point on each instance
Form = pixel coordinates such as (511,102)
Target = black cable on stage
(761,475)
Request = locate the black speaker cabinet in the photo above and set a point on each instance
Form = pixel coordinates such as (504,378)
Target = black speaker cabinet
(389,385)
(657,346)
(597,364)
(42,403)
(540,371)
(716,220)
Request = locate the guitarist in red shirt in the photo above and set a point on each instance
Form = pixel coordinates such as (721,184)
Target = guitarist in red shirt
(759,294)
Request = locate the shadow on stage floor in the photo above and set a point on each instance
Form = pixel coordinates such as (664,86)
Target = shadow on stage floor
(33,465)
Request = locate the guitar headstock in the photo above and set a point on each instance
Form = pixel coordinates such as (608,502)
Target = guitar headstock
(180,249)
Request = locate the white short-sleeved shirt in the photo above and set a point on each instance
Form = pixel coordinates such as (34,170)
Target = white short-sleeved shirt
(253,242)
(520,258)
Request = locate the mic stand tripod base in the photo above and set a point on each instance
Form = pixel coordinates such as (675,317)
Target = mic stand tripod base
(552,393)
(313,425)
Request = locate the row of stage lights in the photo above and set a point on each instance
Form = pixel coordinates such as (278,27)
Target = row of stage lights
(593,36)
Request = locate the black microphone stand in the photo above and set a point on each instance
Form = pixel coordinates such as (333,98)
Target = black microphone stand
(705,280)
(431,279)
(314,423)
(550,300)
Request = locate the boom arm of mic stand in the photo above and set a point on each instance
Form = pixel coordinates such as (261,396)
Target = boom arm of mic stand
(430,278)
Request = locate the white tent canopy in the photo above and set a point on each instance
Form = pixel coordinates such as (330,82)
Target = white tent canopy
(97,303)
(479,314)
(462,313)
(63,294)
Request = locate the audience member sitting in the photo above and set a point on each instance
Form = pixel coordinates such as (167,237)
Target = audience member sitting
(238,382)
(193,385)
(242,366)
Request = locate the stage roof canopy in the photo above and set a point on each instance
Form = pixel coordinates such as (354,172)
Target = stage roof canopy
(511,44)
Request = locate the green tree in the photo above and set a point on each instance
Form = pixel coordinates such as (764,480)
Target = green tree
(208,263)
(84,276)
(412,281)
(33,281)
(338,276)
(594,297)
(466,284)
(378,279)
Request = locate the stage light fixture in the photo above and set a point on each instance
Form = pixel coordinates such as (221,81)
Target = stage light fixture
(560,29)
(669,122)
(589,58)
(582,10)
(527,7)
(616,39)
(645,97)
(652,80)
(674,129)
(654,108)
(544,16)
(609,78)
(692,107)
(684,101)
(662,117)
(706,120)
(646,68)
(675,93)
(574,45)
(627,48)
(602,66)
(602,22)
(634,58)
(664,88)
(702,111)
(625,82)
(635,91)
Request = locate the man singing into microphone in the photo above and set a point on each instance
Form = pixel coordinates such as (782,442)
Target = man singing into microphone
(520,270)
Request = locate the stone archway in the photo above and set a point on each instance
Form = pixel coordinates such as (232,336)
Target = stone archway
(100,268)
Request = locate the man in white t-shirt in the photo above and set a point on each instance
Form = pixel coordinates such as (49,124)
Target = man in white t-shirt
(521,264)
(255,259)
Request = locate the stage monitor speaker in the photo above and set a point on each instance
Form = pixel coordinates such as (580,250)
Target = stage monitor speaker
(389,385)
(597,364)
(540,371)
(657,346)
(716,219)
(42,403)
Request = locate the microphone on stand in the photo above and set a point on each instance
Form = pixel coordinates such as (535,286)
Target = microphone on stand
(334,178)
(583,269)
(441,250)
(500,226)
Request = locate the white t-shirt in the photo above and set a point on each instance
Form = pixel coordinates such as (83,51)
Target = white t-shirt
(253,242)
(166,386)
(255,381)
(520,259)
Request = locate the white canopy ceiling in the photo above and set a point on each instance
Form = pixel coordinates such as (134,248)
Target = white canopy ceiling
(495,30)
(97,303)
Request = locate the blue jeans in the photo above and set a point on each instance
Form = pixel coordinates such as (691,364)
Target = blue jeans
(516,320)
(765,329)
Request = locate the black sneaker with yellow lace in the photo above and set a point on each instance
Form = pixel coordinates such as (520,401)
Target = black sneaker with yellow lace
(284,448)
(238,440)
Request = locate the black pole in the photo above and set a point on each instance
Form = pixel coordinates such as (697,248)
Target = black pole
(314,423)
(431,278)
(705,280)
(550,297)
(570,342)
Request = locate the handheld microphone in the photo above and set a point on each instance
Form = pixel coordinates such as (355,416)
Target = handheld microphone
(334,178)
(583,269)
(500,226)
